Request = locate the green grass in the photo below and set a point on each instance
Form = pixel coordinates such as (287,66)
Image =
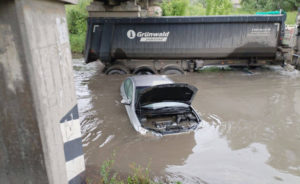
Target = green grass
(291,18)
(77,42)
(139,174)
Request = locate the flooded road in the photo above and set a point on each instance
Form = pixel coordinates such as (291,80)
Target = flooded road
(250,131)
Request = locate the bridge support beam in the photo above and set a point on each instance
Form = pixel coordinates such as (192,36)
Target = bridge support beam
(40,139)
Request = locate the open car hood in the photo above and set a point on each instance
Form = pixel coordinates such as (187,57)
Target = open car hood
(177,92)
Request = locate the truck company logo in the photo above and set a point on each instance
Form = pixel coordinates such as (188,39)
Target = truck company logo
(148,36)
(131,34)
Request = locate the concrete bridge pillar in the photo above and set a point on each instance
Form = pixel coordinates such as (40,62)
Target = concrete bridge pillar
(40,139)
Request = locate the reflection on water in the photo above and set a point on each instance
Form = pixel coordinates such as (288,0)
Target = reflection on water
(250,131)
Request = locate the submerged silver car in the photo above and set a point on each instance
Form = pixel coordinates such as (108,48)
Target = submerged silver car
(155,103)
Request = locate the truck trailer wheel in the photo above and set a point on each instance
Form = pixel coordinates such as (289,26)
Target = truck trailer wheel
(143,70)
(296,62)
(172,70)
(117,70)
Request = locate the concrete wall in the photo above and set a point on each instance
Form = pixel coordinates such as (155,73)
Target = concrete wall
(40,137)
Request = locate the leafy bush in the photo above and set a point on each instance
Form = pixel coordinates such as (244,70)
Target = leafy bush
(174,7)
(140,175)
(107,176)
(196,8)
(77,42)
(77,24)
(218,7)
(270,5)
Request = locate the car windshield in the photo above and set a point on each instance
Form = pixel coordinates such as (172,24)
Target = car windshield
(138,91)
(160,105)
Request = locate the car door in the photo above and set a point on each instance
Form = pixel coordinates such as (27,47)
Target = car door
(130,108)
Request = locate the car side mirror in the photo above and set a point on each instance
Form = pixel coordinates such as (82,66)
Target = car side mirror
(125,102)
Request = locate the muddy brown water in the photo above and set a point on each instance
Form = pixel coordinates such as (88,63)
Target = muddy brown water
(250,131)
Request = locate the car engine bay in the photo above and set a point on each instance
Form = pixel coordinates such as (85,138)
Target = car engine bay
(170,123)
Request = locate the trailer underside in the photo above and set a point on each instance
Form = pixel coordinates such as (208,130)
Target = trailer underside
(168,67)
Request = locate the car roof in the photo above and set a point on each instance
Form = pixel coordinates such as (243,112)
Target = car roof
(150,80)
